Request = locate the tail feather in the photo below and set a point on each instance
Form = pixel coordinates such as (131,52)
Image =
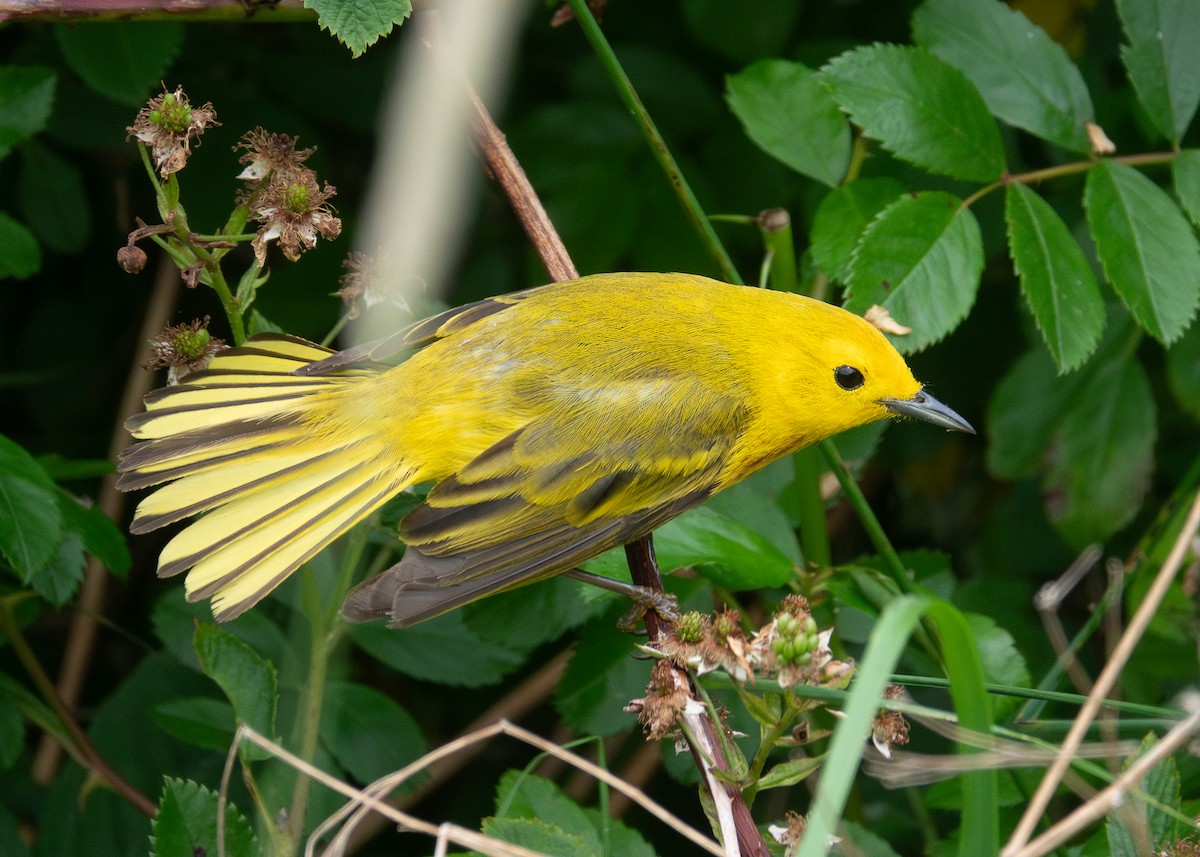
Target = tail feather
(261,452)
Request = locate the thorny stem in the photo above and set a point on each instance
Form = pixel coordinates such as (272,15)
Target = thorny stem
(691,206)
(87,750)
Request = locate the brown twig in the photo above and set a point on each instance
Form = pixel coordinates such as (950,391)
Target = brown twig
(87,750)
(147,10)
(81,638)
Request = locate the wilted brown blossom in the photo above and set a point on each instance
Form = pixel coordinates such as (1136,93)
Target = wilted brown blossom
(790,832)
(131,258)
(183,349)
(355,284)
(889,728)
(1188,847)
(284,196)
(666,701)
(167,125)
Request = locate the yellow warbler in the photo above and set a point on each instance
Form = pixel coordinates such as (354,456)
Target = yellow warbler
(557,423)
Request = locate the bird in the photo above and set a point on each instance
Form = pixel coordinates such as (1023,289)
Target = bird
(553,424)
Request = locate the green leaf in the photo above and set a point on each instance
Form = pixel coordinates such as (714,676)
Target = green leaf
(921,260)
(186,824)
(1149,252)
(920,108)
(368,733)
(522,795)
(1002,662)
(1055,276)
(1024,76)
(444,650)
(53,201)
(537,835)
(26,99)
(247,680)
(100,536)
(1185,170)
(600,680)
(728,553)
(358,24)
(1161,784)
(1103,454)
(790,772)
(58,580)
(1183,370)
(198,720)
(1161,60)
(842,217)
(521,619)
(20,256)
(30,519)
(790,116)
(122,60)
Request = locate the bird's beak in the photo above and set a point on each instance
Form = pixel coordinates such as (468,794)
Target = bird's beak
(925,407)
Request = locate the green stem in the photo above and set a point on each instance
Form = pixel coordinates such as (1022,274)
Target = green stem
(895,565)
(691,206)
(766,746)
(814,529)
(1035,176)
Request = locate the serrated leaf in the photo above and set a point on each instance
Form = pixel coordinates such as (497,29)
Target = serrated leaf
(186,824)
(1102,455)
(247,680)
(1161,60)
(20,255)
(536,835)
(444,650)
(1183,370)
(26,99)
(920,260)
(1024,76)
(198,720)
(790,772)
(841,218)
(122,60)
(53,201)
(521,795)
(1055,276)
(58,580)
(600,680)
(368,732)
(1002,662)
(100,536)
(1161,784)
(918,107)
(358,24)
(1148,250)
(1185,171)
(790,116)
(30,520)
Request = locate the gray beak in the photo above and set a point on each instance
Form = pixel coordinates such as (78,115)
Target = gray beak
(925,407)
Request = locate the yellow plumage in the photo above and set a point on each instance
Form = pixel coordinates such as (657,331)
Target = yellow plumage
(558,423)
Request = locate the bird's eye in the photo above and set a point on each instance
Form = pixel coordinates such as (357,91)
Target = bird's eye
(848,378)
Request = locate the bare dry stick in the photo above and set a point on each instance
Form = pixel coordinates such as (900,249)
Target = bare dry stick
(524,698)
(370,798)
(1104,683)
(81,638)
(1117,790)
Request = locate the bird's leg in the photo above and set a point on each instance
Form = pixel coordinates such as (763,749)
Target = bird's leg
(646,599)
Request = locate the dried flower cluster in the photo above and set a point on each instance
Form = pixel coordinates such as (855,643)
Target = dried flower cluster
(890,728)
(183,349)
(167,125)
(1188,847)
(284,196)
(789,650)
(790,833)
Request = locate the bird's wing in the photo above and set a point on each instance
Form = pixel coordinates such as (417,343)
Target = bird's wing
(590,474)
(418,334)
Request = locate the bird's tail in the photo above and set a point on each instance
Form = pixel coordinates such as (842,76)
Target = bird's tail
(279,466)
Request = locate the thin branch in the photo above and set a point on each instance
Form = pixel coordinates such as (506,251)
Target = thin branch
(1104,684)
